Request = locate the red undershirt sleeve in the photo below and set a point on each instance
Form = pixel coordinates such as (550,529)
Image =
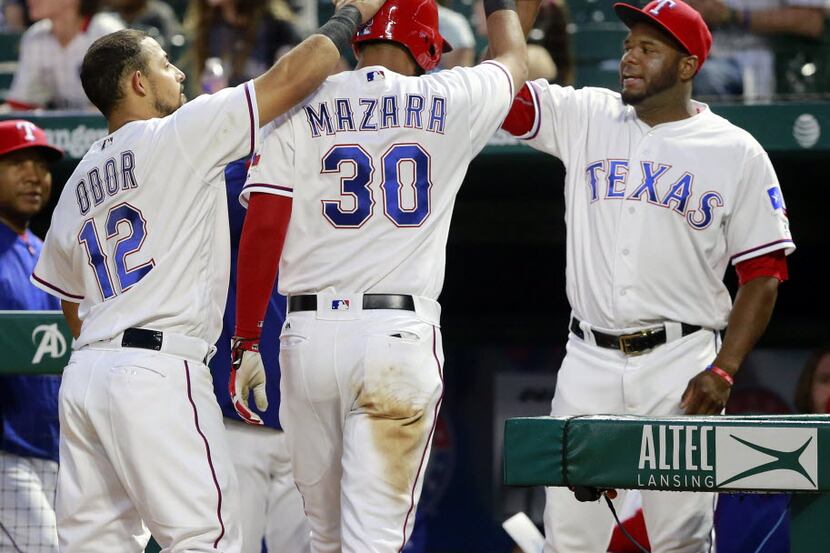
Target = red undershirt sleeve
(263,235)
(522,113)
(773,264)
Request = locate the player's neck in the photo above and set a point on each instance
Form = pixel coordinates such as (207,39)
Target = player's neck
(388,55)
(17,224)
(665,107)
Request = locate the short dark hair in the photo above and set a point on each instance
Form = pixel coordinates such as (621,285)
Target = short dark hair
(106,62)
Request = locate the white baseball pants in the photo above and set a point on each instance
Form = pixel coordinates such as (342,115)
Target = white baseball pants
(272,507)
(27,504)
(143,448)
(594,381)
(360,396)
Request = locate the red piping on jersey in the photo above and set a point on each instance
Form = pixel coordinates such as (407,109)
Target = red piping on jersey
(271,186)
(55,288)
(263,235)
(772,264)
(761,247)
(85,23)
(253,120)
(209,458)
(429,439)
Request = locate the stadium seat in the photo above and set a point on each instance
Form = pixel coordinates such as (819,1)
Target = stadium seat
(596,42)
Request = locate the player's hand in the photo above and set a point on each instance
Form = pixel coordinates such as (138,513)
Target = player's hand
(587,493)
(247,374)
(706,394)
(367,8)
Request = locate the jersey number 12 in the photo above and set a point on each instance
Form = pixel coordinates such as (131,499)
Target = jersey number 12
(124,246)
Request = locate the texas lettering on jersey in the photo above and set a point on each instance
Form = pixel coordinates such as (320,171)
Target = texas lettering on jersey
(606,179)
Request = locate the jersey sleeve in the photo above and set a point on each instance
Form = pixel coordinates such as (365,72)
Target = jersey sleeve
(489,90)
(555,116)
(53,273)
(215,129)
(272,167)
(758,224)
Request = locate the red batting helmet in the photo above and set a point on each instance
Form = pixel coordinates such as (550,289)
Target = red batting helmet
(411,23)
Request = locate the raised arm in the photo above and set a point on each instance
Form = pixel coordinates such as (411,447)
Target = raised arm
(298,73)
(507,39)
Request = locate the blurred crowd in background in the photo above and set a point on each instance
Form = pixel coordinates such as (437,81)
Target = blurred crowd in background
(762,48)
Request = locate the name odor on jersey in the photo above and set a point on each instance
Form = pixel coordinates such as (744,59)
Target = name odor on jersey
(117,174)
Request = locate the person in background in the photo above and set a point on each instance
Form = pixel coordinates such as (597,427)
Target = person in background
(743,58)
(28,404)
(154,17)
(456,29)
(551,33)
(51,52)
(14,16)
(246,36)
(272,508)
(812,394)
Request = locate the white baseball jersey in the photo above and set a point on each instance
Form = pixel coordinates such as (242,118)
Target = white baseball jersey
(374,160)
(140,234)
(655,214)
(48,73)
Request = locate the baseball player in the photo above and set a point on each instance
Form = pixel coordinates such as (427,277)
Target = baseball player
(138,252)
(373,160)
(28,404)
(272,507)
(661,196)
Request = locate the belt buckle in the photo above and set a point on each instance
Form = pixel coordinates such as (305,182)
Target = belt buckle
(628,348)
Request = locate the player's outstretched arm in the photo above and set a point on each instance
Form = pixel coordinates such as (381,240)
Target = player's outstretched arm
(507,39)
(298,73)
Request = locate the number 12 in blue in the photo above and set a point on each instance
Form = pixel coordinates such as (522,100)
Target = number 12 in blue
(131,243)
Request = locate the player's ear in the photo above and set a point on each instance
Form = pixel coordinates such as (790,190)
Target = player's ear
(137,83)
(688,67)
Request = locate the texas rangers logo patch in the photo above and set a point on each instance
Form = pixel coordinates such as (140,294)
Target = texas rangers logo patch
(776,198)
(340,305)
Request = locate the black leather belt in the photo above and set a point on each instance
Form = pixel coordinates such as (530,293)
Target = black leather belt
(142,338)
(370,301)
(630,344)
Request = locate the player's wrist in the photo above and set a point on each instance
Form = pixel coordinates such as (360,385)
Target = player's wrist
(341,27)
(245,344)
(721,373)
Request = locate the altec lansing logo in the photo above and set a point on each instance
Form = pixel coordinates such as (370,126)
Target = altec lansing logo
(728,457)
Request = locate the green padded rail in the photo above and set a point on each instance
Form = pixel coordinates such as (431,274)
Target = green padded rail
(34,342)
(764,454)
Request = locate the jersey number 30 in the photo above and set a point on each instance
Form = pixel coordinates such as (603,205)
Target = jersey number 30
(124,246)
(357,186)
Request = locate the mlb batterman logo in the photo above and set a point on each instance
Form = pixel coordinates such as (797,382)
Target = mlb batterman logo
(49,340)
(767,458)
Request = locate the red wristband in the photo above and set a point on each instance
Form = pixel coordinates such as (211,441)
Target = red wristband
(721,373)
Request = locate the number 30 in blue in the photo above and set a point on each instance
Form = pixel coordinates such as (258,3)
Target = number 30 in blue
(131,243)
(358,185)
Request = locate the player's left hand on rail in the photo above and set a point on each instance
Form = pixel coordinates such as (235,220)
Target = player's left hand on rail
(247,374)
(706,394)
